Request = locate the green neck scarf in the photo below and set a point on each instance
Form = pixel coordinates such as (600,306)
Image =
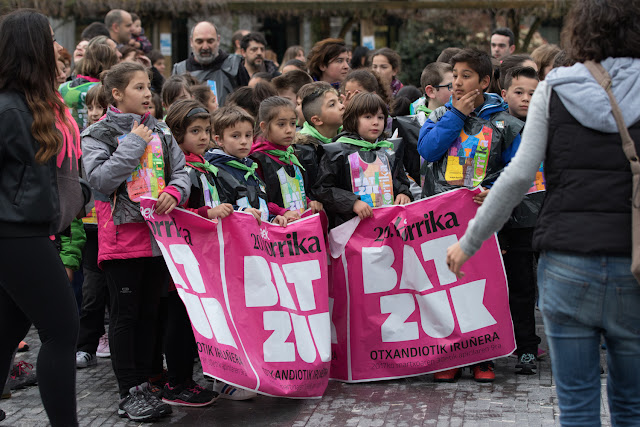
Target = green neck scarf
(286,156)
(365,145)
(307,129)
(251,170)
(206,166)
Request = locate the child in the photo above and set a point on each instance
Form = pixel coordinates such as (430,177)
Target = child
(359,148)
(287,85)
(469,141)
(190,124)
(517,235)
(115,153)
(138,39)
(96,102)
(278,165)
(436,81)
(322,111)
(155,108)
(204,95)
(175,89)
(362,80)
(239,183)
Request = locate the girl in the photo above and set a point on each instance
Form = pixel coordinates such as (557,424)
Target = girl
(97,58)
(239,183)
(277,163)
(360,152)
(127,155)
(39,191)
(175,89)
(363,80)
(386,62)
(204,95)
(96,102)
(190,124)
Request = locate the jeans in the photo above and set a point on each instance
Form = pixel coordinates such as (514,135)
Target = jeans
(584,298)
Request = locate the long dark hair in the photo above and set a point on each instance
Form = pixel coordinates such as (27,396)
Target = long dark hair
(29,66)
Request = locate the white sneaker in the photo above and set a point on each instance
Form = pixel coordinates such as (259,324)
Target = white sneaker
(103,347)
(230,392)
(84,359)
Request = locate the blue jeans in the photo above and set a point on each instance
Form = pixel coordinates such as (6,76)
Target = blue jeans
(583,298)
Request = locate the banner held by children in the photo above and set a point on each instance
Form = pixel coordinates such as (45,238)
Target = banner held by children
(397,309)
(256,296)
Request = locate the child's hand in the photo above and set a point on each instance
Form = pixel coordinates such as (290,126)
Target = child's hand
(292,216)
(166,203)
(280,220)
(465,104)
(402,199)
(142,131)
(479,198)
(315,206)
(256,214)
(362,209)
(220,211)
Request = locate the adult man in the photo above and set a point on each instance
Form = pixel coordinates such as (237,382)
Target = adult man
(119,24)
(236,38)
(502,43)
(252,48)
(208,63)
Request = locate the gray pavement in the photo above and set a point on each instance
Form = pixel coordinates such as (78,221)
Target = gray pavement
(418,401)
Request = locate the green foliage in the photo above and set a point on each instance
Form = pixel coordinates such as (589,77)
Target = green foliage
(421,43)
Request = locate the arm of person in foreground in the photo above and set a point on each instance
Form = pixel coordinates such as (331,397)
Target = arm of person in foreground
(510,187)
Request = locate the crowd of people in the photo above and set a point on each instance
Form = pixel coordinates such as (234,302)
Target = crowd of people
(224,129)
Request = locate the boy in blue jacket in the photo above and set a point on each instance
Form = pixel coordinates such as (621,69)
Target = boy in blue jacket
(472,138)
(468,142)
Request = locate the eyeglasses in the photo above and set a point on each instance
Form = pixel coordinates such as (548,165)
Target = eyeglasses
(449,86)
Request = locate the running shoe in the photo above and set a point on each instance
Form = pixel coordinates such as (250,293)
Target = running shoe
(188,394)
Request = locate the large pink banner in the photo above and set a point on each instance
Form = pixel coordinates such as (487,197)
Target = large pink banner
(256,296)
(397,310)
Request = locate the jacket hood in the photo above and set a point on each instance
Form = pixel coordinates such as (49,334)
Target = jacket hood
(492,104)
(589,103)
(124,121)
(218,157)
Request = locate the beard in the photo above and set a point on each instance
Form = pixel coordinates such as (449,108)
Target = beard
(205,56)
(256,63)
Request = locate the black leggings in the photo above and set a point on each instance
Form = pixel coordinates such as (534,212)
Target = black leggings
(179,342)
(34,288)
(135,286)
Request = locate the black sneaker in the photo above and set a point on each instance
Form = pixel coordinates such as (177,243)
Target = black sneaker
(22,376)
(136,405)
(189,394)
(526,364)
(162,409)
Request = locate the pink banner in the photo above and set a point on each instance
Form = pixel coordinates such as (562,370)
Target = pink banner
(397,310)
(256,296)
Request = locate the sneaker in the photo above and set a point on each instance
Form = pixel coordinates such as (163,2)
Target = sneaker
(84,359)
(483,372)
(230,392)
(155,399)
(21,376)
(136,405)
(526,364)
(541,354)
(189,394)
(23,346)
(103,347)
(448,376)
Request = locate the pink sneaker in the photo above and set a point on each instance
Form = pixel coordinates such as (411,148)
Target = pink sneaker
(103,347)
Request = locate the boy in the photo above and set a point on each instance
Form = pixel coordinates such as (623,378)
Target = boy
(239,183)
(469,141)
(322,111)
(436,81)
(287,85)
(516,236)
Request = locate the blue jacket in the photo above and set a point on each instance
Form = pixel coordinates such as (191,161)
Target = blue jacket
(436,138)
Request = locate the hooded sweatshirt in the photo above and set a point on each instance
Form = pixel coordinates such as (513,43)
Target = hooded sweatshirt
(580,93)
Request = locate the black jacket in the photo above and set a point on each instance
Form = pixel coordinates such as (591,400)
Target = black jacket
(244,77)
(334,186)
(29,203)
(581,163)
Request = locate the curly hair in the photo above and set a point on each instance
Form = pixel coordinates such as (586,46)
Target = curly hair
(598,29)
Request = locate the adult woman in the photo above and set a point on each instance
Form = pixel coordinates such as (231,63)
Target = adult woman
(386,62)
(543,57)
(329,61)
(292,52)
(97,58)
(584,229)
(31,196)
